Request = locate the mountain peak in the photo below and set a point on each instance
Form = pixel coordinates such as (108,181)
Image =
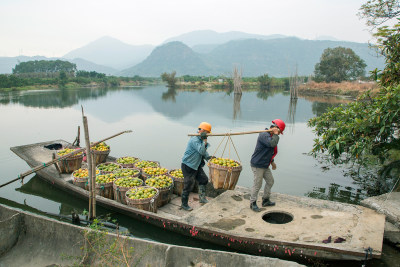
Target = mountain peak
(110,51)
(207,37)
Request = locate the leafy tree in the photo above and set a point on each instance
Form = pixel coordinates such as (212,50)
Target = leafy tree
(63,78)
(169,78)
(370,125)
(264,80)
(339,64)
(377,12)
(388,43)
(46,66)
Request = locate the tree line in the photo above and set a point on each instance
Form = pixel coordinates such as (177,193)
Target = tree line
(59,73)
(44,66)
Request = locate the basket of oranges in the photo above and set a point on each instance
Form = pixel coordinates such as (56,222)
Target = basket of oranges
(224,173)
(143,197)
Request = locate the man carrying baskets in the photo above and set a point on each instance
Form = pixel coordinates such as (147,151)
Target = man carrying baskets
(193,163)
(263,156)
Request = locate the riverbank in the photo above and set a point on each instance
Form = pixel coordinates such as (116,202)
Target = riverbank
(349,89)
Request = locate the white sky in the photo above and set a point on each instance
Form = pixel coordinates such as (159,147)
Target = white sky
(52,28)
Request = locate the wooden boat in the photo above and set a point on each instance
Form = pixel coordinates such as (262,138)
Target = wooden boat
(297,227)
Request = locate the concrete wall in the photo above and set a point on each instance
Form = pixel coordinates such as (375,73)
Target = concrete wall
(39,241)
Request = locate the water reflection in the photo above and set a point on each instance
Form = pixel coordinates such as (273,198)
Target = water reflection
(170,94)
(320,103)
(236,105)
(335,192)
(291,117)
(56,98)
(172,102)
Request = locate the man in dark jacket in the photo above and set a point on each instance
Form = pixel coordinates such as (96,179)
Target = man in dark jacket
(263,156)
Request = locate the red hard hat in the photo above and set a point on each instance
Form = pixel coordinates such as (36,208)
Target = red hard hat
(280,124)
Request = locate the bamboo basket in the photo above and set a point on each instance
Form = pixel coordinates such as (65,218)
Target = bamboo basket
(178,184)
(128,165)
(82,182)
(70,164)
(148,204)
(165,194)
(105,190)
(100,156)
(120,191)
(224,177)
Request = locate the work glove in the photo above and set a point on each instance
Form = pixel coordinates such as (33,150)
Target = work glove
(203,135)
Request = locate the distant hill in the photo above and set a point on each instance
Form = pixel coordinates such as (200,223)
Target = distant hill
(207,37)
(8,63)
(206,53)
(111,52)
(82,64)
(173,56)
(277,57)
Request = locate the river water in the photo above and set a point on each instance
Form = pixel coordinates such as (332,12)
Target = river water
(160,120)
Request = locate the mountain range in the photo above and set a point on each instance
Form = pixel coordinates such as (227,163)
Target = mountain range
(206,53)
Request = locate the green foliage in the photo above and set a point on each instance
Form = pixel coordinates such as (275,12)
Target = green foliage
(89,74)
(388,43)
(264,80)
(63,78)
(44,66)
(339,64)
(366,126)
(101,249)
(377,12)
(169,78)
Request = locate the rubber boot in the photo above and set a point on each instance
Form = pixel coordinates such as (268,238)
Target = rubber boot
(185,205)
(202,194)
(266,202)
(254,207)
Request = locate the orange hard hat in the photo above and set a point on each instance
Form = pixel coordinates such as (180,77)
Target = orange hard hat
(281,125)
(205,126)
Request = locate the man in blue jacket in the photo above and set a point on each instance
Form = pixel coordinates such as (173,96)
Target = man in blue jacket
(193,163)
(263,156)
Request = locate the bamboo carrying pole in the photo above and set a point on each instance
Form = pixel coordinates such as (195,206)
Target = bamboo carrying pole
(47,164)
(92,201)
(228,134)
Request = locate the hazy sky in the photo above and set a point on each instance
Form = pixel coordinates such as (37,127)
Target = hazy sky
(52,28)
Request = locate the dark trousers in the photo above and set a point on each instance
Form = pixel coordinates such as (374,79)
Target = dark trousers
(190,175)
